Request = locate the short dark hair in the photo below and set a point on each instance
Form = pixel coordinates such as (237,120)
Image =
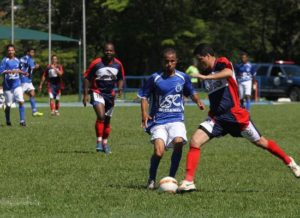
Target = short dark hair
(29,49)
(10,45)
(243,53)
(204,49)
(169,50)
(107,43)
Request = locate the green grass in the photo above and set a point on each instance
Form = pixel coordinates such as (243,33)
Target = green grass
(51,169)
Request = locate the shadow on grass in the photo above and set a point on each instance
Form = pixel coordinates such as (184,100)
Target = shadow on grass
(76,152)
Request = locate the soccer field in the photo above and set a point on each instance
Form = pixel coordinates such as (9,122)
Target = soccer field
(51,169)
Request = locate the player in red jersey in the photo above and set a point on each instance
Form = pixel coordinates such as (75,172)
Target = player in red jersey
(54,72)
(226,116)
(99,81)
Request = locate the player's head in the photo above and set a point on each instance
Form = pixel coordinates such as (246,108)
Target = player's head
(109,51)
(30,52)
(169,57)
(54,59)
(11,50)
(205,55)
(244,57)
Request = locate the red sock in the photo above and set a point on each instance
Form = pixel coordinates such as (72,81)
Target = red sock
(99,127)
(277,151)
(106,131)
(193,157)
(56,105)
(52,105)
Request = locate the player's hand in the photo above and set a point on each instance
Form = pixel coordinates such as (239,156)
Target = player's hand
(37,66)
(145,119)
(84,100)
(201,105)
(40,88)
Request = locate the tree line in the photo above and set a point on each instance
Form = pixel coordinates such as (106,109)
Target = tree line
(267,30)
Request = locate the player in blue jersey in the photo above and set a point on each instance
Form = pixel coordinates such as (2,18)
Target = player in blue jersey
(10,69)
(99,81)
(165,120)
(28,65)
(245,74)
(226,116)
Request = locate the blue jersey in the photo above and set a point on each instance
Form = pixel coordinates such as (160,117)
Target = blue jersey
(166,95)
(244,72)
(27,65)
(10,81)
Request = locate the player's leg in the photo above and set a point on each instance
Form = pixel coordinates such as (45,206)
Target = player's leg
(8,102)
(18,95)
(176,138)
(252,134)
(99,107)
(241,93)
(51,100)
(31,93)
(248,91)
(57,99)
(159,137)
(207,130)
(109,108)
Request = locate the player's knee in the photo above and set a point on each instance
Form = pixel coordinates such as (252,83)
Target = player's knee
(178,141)
(159,153)
(262,142)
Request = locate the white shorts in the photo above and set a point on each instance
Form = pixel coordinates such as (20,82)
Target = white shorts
(13,95)
(98,99)
(51,96)
(27,87)
(245,88)
(167,132)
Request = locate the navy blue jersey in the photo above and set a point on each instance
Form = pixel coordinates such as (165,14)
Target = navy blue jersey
(166,94)
(27,65)
(10,81)
(103,77)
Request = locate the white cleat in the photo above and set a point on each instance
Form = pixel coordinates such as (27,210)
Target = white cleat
(186,186)
(294,167)
(151,184)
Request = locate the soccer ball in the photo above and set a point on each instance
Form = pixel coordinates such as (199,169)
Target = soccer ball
(168,184)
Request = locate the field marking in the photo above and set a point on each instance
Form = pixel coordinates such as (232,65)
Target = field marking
(14,202)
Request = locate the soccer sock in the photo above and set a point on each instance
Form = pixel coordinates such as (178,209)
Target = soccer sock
(193,157)
(154,162)
(22,112)
(52,105)
(99,127)
(56,105)
(106,132)
(248,103)
(33,106)
(274,148)
(7,114)
(175,160)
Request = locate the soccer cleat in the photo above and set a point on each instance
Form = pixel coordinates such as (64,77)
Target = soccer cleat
(57,113)
(52,113)
(37,114)
(99,147)
(151,184)
(186,186)
(8,123)
(294,167)
(22,123)
(107,149)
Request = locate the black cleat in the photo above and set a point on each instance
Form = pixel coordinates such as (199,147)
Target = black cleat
(22,123)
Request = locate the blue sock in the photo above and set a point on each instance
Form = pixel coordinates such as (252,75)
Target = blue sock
(22,112)
(154,162)
(175,160)
(33,106)
(248,102)
(7,114)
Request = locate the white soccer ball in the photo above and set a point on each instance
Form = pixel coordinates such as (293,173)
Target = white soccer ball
(168,184)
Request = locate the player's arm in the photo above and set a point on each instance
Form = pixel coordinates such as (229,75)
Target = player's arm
(188,90)
(43,78)
(145,115)
(195,98)
(223,74)
(59,71)
(86,84)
